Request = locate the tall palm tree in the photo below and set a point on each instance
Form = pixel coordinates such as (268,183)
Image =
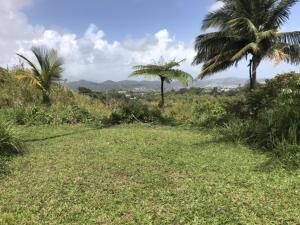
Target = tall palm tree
(247,29)
(165,71)
(48,71)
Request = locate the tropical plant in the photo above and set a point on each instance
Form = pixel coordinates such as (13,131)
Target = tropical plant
(9,142)
(165,71)
(49,71)
(4,75)
(247,29)
(130,111)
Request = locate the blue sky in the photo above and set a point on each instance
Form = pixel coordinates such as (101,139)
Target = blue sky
(103,39)
(129,18)
(123,18)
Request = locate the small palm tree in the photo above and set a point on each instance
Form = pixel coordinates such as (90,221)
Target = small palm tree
(165,71)
(247,29)
(50,70)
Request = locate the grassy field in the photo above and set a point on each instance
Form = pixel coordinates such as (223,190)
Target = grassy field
(142,175)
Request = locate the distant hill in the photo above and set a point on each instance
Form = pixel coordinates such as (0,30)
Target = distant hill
(155,85)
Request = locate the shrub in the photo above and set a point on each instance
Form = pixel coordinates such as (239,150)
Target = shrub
(209,114)
(85,91)
(257,102)
(269,117)
(33,116)
(130,111)
(39,115)
(276,125)
(236,130)
(9,142)
(75,115)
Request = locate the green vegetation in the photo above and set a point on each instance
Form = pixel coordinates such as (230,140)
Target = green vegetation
(134,111)
(234,155)
(143,175)
(9,142)
(203,157)
(50,70)
(247,29)
(165,72)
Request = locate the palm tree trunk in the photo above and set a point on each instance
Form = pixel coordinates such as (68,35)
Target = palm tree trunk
(162,103)
(46,98)
(253,79)
(250,69)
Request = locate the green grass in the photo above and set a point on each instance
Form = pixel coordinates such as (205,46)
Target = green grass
(143,175)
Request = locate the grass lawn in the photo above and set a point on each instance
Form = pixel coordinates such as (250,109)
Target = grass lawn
(142,175)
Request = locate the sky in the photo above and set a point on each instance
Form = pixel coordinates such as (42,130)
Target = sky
(103,39)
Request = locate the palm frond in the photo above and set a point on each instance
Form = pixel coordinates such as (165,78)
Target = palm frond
(50,67)
(165,71)
(284,53)
(245,28)
(29,77)
(181,76)
(216,19)
(251,48)
(210,45)
(242,24)
(268,34)
(31,64)
(292,38)
(210,68)
(279,14)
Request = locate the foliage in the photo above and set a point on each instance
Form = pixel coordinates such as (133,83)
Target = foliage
(41,115)
(270,94)
(14,93)
(266,118)
(49,71)
(177,176)
(19,104)
(236,130)
(85,91)
(165,71)
(247,29)
(208,114)
(9,141)
(272,116)
(131,111)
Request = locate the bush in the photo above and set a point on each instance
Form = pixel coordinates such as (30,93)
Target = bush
(40,115)
(75,115)
(33,116)
(254,104)
(276,125)
(131,111)
(9,142)
(236,130)
(269,117)
(208,114)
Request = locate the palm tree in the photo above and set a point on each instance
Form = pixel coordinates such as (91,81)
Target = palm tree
(165,71)
(247,29)
(50,70)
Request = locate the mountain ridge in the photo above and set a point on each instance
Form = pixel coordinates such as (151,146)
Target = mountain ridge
(144,85)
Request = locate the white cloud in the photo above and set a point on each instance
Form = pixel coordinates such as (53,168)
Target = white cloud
(217,5)
(91,56)
(14,28)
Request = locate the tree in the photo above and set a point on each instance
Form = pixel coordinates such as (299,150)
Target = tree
(165,71)
(50,70)
(247,29)
(85,91)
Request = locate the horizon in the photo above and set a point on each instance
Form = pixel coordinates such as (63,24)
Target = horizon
(113,36)
(212,78)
